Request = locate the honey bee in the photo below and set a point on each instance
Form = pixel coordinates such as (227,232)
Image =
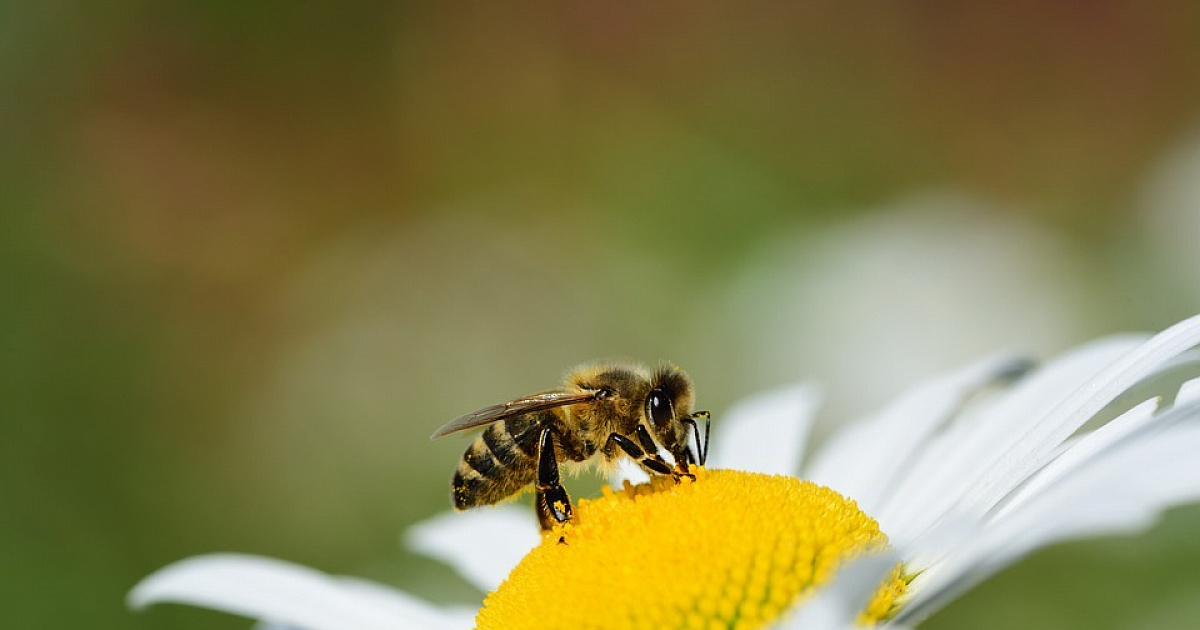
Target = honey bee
(601,412)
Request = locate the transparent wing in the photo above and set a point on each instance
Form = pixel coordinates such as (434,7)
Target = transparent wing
(529,404)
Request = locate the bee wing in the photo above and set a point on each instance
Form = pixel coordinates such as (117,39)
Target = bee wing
(528,404)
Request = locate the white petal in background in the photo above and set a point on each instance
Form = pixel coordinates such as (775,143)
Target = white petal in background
(626,470)
(864,458)
(289,595)
(766,433)
(482,544)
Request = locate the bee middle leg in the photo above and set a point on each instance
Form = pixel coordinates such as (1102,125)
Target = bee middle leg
(552,502)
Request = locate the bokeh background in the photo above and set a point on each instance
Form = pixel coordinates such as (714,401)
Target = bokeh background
(252,254)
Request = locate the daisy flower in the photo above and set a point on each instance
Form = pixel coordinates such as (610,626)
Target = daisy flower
(893,516)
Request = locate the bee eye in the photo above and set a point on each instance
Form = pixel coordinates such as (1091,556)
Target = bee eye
(658,407)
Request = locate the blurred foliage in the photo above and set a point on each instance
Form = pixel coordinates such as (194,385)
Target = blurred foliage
(253,253)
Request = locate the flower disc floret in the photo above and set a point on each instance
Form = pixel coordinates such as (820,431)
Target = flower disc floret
(731,549)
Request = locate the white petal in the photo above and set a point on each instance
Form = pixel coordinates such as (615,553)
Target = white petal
(286,594)
(626,470)
(862,460)
(1029,452)
(1188,392)
(1124,489)
(837,605)
(766,433)
(951,467)
(1081,451)
(483,544)
(400,605)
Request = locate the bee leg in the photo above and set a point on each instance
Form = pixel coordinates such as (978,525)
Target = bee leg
(686,459)
(553,503)
(701,445)
(652,463)
(680,470)
(683,462)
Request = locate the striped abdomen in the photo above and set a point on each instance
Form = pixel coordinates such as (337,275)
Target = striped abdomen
(498,464)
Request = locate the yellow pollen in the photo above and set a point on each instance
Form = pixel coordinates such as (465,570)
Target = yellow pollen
(730,550)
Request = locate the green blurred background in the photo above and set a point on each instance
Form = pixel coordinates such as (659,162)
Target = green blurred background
(254,253)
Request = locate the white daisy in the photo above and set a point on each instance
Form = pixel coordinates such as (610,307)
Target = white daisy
(958,478)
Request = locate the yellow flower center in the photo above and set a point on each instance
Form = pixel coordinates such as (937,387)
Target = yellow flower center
(731,550)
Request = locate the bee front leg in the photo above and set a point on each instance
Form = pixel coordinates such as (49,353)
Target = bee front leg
(683,464)
(552,502)
(701,445)
(652,463)
(681,467)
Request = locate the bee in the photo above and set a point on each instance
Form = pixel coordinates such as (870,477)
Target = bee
(601,412)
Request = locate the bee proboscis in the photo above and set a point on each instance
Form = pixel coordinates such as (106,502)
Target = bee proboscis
(601,412)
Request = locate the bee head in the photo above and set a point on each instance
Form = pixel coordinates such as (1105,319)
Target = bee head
(668,402)
(661,399)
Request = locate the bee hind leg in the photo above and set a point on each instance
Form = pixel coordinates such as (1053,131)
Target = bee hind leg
(552,501)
